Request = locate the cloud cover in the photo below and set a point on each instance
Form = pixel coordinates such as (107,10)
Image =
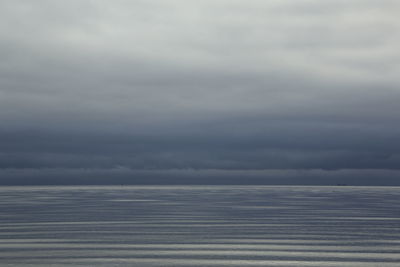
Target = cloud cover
(207,86)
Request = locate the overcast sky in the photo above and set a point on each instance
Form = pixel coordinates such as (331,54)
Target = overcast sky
(185,91)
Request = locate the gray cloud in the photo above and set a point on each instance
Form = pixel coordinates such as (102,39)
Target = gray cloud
(205,85)
(189,176)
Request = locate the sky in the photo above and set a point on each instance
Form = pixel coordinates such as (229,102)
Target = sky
(211,91)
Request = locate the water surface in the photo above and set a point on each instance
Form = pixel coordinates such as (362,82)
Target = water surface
(200,226)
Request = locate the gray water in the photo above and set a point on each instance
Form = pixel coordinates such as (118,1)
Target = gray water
(200,226)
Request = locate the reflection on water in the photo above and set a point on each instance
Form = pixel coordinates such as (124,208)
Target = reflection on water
(200,226)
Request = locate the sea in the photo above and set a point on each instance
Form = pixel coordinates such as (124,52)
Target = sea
(286,226)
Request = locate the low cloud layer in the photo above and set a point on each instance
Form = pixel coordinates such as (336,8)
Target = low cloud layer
(225,88)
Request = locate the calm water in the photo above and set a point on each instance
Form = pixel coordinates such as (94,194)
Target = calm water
(200,226)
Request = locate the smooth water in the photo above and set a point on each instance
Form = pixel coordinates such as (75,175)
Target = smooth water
(200,226)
